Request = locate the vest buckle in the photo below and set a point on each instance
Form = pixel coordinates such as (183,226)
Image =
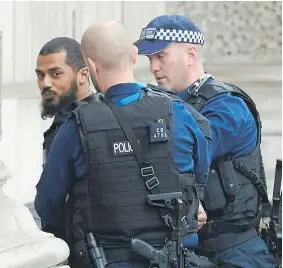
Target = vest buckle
(152,183)
(147,171)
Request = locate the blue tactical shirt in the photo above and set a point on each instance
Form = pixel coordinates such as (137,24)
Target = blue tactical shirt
(66,164)
(233,128)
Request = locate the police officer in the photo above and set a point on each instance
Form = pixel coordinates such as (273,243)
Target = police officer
(234,193)
(108,161)
(62,78)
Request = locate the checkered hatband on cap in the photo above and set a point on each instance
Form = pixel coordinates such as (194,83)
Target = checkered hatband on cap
(172,35)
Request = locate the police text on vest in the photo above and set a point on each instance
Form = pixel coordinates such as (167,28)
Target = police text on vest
(121,148)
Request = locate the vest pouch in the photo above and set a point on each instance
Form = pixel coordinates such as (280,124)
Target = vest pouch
(228,179)
(214,198)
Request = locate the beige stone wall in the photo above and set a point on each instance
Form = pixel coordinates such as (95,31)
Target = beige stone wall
(238,30)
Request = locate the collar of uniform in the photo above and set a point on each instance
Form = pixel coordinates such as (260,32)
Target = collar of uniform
(185,94)
(124,89)
(62,115)
(89,98)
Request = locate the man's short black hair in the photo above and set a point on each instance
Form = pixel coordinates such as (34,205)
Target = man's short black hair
(74,56)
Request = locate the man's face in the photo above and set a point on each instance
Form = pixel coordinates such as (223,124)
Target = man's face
(57,82)
(170,67)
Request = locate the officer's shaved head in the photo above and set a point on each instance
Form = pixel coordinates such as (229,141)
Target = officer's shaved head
(109,53)
(107,43)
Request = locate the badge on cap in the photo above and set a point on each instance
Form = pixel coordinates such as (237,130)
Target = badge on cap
(148,33)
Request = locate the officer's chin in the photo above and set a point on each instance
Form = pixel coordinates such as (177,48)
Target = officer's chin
(163,86)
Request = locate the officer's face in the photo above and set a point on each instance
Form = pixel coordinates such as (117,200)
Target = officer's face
(57,83)
(170,68)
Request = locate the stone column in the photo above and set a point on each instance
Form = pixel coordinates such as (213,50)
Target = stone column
(22,243)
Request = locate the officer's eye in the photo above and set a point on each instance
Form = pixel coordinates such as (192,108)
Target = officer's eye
(160,56)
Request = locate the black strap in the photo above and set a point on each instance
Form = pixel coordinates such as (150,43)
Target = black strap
(277,190)
(147,171)
(224,241)
(215,228)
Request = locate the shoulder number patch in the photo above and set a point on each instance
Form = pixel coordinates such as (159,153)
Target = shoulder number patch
(158,132)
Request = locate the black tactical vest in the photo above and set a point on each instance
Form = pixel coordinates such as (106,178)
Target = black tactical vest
(51,132)
(202,122)
(234,191)
(59,120)
(111,201)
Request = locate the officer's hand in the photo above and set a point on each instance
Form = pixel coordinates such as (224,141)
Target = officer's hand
(201,216)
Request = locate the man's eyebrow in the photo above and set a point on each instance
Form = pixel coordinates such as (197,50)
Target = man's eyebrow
(50,70)
(55,69)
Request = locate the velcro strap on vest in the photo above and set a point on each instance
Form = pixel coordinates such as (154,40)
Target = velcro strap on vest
(186,180)
(200,191)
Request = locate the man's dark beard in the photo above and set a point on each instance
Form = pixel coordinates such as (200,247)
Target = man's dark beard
(49,107)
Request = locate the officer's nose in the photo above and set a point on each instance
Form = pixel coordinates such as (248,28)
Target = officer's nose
(154,66)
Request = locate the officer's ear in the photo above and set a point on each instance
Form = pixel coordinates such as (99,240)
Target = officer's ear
(92,67)
(82,75)
(191,54)
(135,51)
